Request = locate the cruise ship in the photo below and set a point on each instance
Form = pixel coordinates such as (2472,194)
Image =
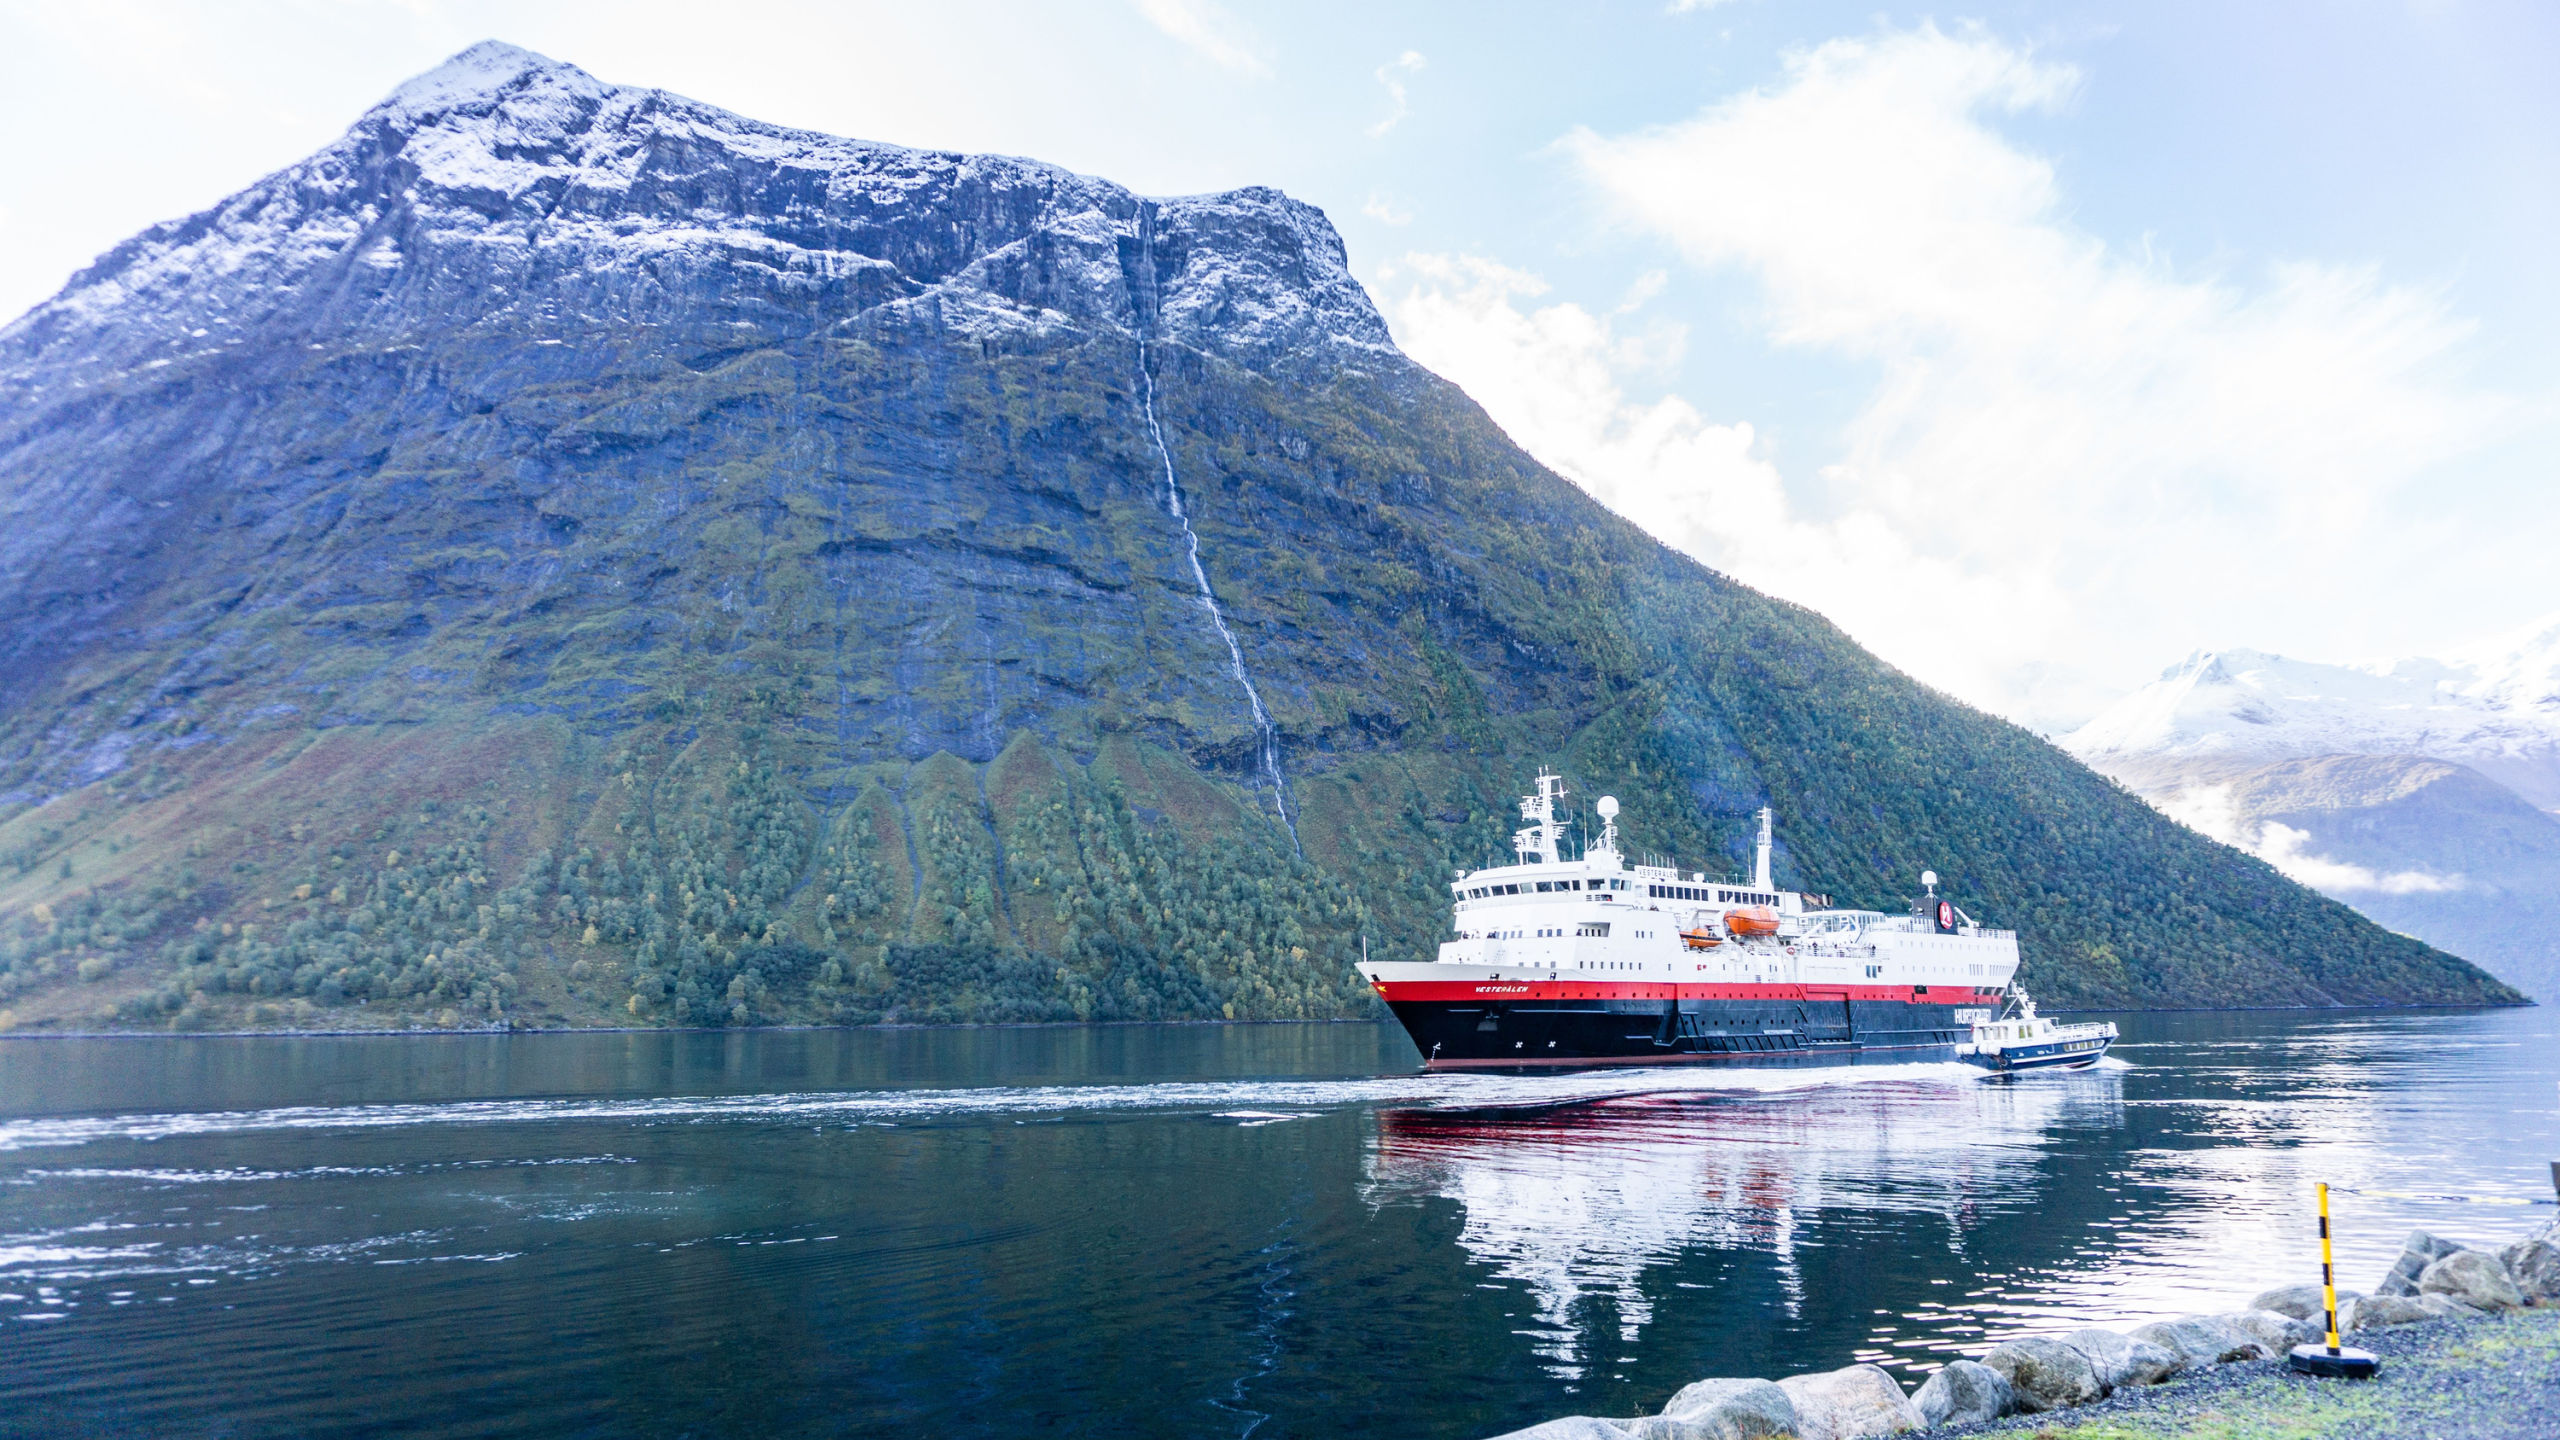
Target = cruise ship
(1582,961)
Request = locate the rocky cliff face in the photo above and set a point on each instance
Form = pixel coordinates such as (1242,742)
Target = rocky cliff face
(565,552)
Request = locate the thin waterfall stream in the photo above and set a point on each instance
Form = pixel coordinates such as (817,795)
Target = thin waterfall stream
(1268,733)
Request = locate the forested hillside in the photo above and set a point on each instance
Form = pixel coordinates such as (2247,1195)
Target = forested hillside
(566,555)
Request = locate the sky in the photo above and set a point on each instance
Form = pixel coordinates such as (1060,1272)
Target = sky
(2036,345)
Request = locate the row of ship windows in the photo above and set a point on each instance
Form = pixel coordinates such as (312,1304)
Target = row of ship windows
(1713,894)
(1588,930)
(1710,893)
(1542,887)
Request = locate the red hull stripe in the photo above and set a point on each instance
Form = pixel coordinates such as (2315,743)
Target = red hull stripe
(1510,990)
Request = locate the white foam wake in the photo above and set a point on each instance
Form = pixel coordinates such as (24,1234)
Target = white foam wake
(895,1106)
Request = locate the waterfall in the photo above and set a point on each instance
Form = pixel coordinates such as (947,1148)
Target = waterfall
(1267,733)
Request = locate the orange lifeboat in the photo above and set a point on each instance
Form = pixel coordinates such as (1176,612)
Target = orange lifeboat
(1752,920)
(1699,940)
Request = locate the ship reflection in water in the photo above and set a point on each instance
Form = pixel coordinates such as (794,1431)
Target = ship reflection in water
(1604,1213)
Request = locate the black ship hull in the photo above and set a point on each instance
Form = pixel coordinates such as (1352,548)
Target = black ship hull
(1578,1033)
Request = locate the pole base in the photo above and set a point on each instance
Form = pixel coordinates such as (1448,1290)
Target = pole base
(2343,1363)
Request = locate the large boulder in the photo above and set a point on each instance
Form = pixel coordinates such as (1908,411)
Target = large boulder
(2302,1302)
(2474,1277)
(1851,1404)
(2420,1251)
(2535,1266)
(2279,1332)
(2203,1340)
(1663,1427)
(1964,1393)
(2046,1374)
(1571,1427)
(2121,1360)
(1734,1409)
(2375,1311)
(2445,1307)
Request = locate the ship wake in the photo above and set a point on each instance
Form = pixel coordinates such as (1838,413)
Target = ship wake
(1244,1100)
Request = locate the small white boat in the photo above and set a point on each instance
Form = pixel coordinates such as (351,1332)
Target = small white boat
(2023,1040)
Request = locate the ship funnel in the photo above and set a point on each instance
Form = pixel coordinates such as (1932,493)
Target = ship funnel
(1760,863)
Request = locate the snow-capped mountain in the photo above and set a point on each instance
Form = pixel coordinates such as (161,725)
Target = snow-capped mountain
(2423,792)
(503,175)
(2494,707)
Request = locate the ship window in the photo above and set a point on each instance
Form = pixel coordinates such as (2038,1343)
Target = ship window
(1545,885)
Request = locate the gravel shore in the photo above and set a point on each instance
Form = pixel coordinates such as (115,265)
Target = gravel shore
(2493,1378)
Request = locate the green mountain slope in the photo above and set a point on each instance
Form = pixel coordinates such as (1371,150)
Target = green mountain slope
(698,573)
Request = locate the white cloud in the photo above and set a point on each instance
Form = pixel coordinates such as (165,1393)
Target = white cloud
(2282,846)
(1554,377)
(2071,459)
(1207,31)
(2211,811)
(1378,207)
(1392,75)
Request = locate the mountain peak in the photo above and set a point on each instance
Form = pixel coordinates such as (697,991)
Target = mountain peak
(486,70)
(503,178)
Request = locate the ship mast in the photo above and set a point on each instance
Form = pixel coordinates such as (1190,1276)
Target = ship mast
(1537,844)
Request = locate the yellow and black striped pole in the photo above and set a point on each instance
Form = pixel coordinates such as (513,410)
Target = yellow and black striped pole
(2333,1360)
(2328,1269)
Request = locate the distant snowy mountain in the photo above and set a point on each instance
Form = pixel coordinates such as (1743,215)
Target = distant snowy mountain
(2423,792)
(2494,707)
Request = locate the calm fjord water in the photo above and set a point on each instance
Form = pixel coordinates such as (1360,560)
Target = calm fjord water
(1175,1231)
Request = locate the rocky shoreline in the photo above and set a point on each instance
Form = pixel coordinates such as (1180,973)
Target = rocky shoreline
(2435,1280)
